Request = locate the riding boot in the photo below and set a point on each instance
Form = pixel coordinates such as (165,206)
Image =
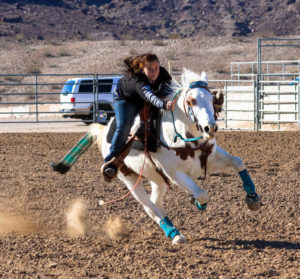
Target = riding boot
(109,170)
(73,155)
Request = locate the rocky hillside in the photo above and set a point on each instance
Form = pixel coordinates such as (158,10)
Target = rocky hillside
(147,19)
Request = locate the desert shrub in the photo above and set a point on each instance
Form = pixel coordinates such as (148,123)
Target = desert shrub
(32,69)
(56,86)
(133,52)
(55,42)
(47,53)
(19,37)
(13,78)
(222,69)
(173,36)
(159,43)
(64,52)
(171,55)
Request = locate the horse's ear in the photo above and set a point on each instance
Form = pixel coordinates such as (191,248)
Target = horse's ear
(218,101)
(184,77)
(204,77)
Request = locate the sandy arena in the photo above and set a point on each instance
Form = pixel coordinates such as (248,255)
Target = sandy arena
(51,226)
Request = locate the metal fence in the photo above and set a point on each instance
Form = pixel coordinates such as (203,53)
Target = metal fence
(36,98)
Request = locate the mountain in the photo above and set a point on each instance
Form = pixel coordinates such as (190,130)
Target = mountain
(147,19)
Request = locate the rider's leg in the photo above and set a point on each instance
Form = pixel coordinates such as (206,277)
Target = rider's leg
(73,155)
(125,113)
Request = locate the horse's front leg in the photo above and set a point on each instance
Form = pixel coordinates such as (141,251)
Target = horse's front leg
(199,194)
(221,160)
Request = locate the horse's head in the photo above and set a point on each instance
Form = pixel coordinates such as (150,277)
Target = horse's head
(198,103)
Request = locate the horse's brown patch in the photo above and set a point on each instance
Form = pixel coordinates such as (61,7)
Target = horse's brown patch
(206,150)
(188,150)
(126,171)
(185,152)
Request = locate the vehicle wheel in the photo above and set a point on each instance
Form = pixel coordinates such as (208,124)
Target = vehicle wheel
(88,120)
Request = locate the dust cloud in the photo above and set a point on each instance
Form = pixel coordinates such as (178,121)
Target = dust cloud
(117,229)
(76,216)
(16,223)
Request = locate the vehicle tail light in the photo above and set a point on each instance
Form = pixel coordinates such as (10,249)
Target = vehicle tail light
(72,100)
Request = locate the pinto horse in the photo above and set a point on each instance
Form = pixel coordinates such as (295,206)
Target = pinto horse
(188,150)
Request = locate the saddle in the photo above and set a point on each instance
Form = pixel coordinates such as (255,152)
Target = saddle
(149,117)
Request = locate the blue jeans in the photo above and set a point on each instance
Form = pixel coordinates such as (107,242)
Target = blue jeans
(125,113)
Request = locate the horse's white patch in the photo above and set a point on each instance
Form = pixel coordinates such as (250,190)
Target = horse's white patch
(77,219)
(117,229)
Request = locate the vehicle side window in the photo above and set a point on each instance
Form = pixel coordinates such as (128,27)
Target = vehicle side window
(68,86)
(86,86)
(105,85)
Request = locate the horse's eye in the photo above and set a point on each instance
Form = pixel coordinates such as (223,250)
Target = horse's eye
(193,101)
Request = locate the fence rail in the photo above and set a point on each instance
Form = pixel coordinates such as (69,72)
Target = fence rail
(35,98)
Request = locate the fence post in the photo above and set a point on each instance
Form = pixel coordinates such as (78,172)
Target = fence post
(226,124)
(97,99)
(36,99)
(94,102)
(299,104)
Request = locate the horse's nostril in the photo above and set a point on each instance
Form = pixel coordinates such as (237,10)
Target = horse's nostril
(216,128)
(206,129)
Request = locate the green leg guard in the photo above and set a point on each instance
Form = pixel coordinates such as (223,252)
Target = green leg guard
(81,146)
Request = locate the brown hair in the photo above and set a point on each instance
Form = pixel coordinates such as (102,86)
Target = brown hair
(134,65)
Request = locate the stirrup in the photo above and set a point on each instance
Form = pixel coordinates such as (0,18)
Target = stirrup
(109,173)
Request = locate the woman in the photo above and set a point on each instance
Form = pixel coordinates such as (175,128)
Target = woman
(145,81)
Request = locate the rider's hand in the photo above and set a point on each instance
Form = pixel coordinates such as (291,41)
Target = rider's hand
(170,105)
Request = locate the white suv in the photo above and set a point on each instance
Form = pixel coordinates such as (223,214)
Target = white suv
(89,99)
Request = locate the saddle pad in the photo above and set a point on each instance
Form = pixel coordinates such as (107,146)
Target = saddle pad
(137,144)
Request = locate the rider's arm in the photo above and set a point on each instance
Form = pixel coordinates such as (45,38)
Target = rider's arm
(147,94)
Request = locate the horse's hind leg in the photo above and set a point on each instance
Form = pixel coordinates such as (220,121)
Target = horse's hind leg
(221,160)
(157,195)
(141,196)
(159,189)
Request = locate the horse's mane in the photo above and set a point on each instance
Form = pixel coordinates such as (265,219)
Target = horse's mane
(187,77)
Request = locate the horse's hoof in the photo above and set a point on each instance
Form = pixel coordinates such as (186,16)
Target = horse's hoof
(179,239)
(253,202)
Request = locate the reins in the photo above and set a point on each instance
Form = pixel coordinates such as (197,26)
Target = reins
(196,84)
(101,202)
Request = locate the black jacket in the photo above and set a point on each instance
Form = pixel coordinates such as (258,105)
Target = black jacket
(138,89)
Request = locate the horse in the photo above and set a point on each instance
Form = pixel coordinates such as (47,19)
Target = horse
(188,150)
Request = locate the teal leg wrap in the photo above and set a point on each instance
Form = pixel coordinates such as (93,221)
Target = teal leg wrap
(199,206)
(248,184)
(168,228)
(81,146)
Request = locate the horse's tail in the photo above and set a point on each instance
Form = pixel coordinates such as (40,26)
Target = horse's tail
(96,131)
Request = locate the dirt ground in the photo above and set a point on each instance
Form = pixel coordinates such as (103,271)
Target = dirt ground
(225,241)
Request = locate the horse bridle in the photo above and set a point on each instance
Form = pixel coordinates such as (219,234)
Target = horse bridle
(196,84)
(189,103)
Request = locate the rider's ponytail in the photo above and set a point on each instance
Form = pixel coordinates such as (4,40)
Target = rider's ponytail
(136,64)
